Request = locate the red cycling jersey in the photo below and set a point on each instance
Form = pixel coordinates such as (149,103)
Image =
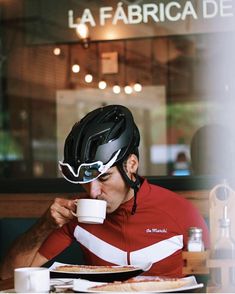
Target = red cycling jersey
(157,233)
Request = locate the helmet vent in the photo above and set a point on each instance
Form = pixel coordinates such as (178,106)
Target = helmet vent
(116,131)
(93,147)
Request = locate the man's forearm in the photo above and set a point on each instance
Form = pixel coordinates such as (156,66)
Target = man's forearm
(25,247)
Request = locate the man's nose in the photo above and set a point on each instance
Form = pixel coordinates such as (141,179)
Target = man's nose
(95,189)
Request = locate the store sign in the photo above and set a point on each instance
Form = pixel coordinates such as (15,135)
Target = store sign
(154,12)
(114,20)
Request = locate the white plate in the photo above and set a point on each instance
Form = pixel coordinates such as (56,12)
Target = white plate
(62,283)
(81,285)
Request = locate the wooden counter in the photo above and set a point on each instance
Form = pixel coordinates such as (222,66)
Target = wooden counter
(26,205)
(195,263)
(6,284)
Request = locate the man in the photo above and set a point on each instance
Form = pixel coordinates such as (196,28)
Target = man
(144,224)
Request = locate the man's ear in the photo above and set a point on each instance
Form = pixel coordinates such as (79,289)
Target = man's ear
(132,164)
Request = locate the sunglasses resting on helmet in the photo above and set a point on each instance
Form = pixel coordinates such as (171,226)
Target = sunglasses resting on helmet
(87,172)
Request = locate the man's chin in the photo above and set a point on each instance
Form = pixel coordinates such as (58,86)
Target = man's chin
(110,210)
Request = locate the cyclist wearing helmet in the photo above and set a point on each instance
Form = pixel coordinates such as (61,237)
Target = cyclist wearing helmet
(106,136)
(144,224)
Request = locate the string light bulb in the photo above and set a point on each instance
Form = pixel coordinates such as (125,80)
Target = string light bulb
(88,78)
(137,87)
(57,51)
(102,85)
(116,89)
(128,89)
(75,68)
(83,33)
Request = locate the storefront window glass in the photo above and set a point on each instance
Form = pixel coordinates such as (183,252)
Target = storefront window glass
(178,62)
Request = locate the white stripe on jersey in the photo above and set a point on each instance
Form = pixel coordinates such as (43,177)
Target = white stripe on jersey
(112,254)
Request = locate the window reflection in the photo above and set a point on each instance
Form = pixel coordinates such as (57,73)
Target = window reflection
(181,78)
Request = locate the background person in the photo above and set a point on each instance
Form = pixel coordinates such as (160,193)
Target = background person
(181,166)
(145,223)
(212,151)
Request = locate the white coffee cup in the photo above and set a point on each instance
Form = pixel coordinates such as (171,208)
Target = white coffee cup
(32,280)
(90,211)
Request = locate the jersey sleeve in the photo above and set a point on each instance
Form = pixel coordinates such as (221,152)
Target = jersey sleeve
(57,241)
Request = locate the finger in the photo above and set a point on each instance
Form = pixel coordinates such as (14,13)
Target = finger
(68,203)
(62,211)
(65,207)
(60,214)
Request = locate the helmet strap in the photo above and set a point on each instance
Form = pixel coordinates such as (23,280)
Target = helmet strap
(135,185)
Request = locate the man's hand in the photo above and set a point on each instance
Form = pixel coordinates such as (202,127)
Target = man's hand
(59,212)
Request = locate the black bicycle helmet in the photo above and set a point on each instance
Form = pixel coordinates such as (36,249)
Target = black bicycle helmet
(99,136)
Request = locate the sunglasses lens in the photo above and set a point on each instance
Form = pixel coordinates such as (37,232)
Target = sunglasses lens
(67,173)
(87,173)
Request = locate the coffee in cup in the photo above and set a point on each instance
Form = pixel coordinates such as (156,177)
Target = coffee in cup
(90,211)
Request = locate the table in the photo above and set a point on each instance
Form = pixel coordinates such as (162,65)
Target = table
(9,284)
